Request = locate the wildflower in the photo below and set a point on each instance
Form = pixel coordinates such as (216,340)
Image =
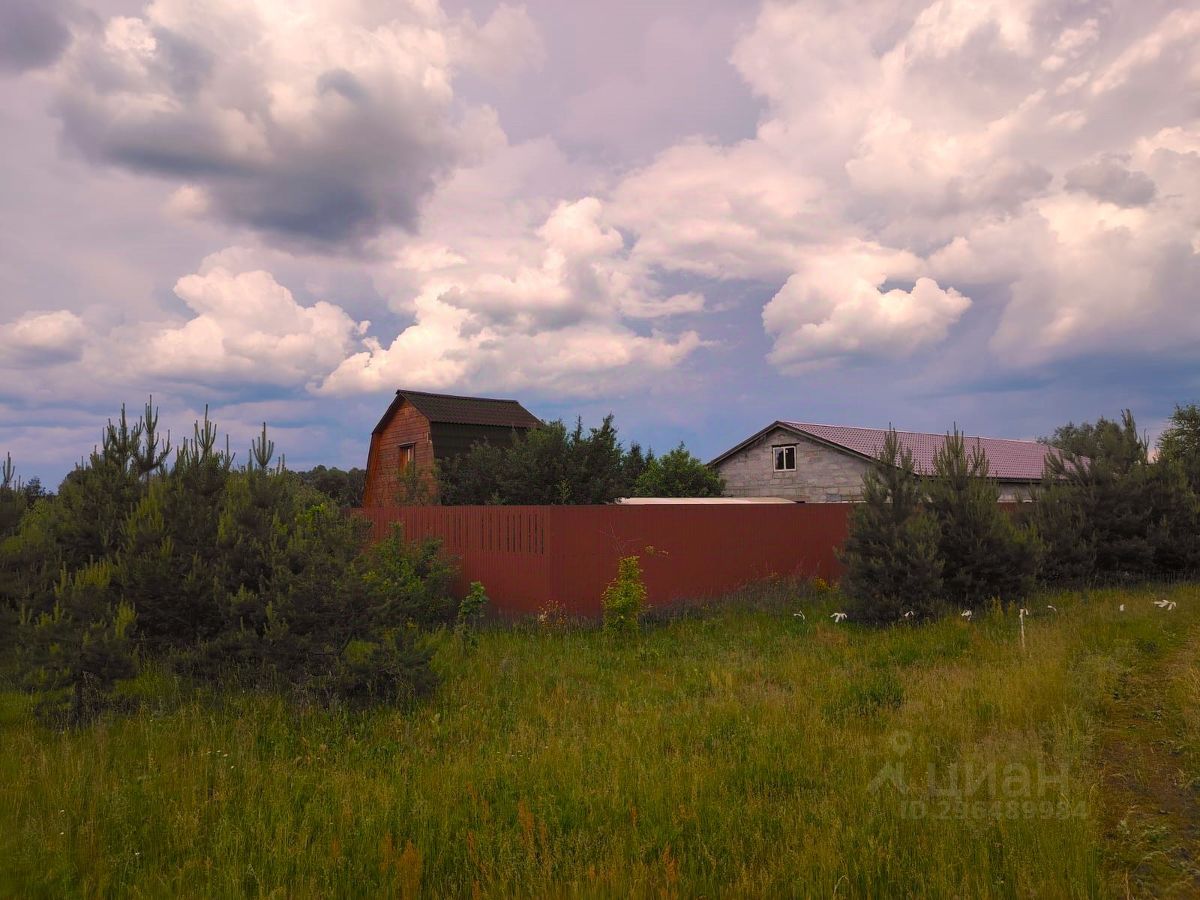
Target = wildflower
(1165,604)
(799,615)
(908,615)
(966,614)
(838,616)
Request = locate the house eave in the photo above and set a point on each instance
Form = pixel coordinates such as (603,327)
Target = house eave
(392,407)
(779,424)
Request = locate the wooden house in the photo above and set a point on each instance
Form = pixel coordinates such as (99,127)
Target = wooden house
(420,430)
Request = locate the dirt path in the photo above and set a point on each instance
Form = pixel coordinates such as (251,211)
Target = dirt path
(1150,770)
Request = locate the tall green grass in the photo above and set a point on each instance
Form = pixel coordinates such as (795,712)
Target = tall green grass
(727,752)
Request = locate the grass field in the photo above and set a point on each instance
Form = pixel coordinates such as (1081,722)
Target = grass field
(742,751)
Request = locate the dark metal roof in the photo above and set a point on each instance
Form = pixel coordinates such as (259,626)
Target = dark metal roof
(452,409)
(1009,460)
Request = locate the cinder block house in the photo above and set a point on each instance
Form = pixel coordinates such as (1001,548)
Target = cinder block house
(825,463)
(421,429)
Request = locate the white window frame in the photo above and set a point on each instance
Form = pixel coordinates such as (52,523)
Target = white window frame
(776,450)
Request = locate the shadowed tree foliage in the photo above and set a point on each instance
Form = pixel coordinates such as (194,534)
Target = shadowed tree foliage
(345,488)
(1105,500)
(551,465)
(13,504)
(1107,444)
(1067,539)
(1180,443)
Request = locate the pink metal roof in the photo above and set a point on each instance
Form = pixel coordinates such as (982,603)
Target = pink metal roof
(1016,460)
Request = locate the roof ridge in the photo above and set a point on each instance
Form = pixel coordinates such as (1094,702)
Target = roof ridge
(456,396)
(936,434)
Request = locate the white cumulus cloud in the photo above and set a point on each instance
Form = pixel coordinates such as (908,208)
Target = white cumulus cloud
(249,329)
(40,339)
(835,307)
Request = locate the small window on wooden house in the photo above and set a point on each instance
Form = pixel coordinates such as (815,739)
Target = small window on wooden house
(408,455)
(785,458)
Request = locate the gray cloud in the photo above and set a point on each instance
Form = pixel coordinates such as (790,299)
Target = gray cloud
(316,133)
(1110,180)
(32,34)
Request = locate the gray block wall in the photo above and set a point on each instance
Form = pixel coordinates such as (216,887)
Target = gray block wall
(822,475)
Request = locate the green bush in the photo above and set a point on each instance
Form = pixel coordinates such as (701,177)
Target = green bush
(471,610)
(624,599)
(405,582)
(677,474)
(393,668)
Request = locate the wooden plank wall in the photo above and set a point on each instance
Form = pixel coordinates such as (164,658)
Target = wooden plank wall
(407,426)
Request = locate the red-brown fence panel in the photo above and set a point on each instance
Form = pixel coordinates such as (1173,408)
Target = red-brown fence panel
(529,557)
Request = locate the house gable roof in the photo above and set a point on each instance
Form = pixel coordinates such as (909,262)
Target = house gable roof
(452,409)
(1009,460)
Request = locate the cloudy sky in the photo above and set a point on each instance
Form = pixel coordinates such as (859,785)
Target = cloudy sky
(702,215)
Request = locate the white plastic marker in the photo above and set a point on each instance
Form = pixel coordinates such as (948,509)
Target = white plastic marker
(800,615)
(1165,604)
(838,616)
(966,614)
(1053,608)
(1024,613)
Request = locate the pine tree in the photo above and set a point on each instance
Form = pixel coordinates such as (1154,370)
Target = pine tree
(1066,538)
(1133,517)
(891,555)
(984,555)
(213,570)
(83,645)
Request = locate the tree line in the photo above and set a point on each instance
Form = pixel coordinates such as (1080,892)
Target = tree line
(1108,510)
(556,464)
(551,465)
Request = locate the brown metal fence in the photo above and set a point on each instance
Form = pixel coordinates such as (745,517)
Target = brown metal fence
(532,557)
